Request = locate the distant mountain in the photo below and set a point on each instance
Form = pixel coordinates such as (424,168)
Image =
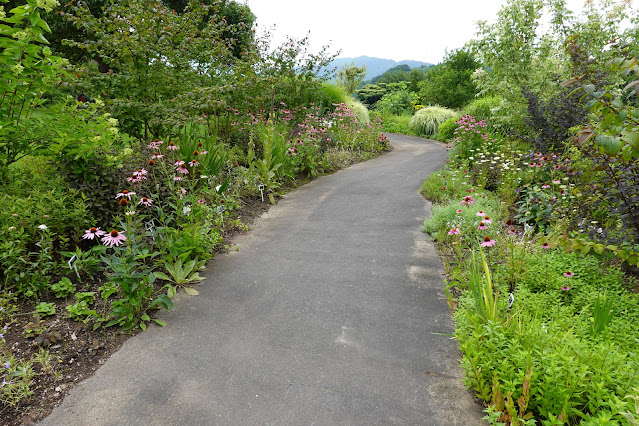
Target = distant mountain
(375,66)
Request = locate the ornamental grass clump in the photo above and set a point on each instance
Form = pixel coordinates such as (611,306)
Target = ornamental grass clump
(427,120)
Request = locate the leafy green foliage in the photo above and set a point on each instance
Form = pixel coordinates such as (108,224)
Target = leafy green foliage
(399,100)
(446,130)
(449,84)
(28,71)
(350,77)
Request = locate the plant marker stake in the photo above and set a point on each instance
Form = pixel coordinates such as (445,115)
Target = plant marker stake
(73,264)
(151,228)
(511,300)
(261,188)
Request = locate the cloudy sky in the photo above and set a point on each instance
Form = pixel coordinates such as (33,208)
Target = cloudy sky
(398,29)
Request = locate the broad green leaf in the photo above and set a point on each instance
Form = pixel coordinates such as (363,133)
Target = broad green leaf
(610,144)
(159,322)
(191,291)
(598,248)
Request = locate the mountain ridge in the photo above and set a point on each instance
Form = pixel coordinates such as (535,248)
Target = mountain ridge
(375,66)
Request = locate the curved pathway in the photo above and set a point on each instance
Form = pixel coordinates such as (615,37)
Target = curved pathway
(329,313)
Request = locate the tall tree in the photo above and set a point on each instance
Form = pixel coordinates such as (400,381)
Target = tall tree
(350,77)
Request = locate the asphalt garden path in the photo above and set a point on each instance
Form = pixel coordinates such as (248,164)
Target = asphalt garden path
(329,313)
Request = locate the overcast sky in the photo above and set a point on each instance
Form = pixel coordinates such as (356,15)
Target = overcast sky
(398,29)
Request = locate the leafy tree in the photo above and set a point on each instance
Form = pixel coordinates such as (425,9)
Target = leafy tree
(371,93)
(449,84)
(398,101)
(350,76)
(149,48)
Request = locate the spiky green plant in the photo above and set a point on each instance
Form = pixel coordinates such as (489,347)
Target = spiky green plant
(426,121)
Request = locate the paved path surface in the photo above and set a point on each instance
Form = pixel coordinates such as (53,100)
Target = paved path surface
(328,314)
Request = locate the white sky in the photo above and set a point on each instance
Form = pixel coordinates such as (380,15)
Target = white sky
(418,30)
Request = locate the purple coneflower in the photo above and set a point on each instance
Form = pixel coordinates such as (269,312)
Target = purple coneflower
(459,211)
(92,233)
(565,288)
(545,246)
(125,193)
(157,155)
(113,238)
(488,242)
(146,201)
(182,169)
(512,231)
(480,213)
(178,163)
(482,226)
(193,163)
(454,231)
(172,147)
(568,274)
(487,220)
(467,201)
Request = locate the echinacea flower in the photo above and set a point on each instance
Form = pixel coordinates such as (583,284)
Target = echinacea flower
(151,163)
(145,201)
(157,155)
(545,246)
(182,169)
(178,163)
(480,213)
(125,193)
(177,177)
(459,211)
(487,220)
(201,201)
(512,231)
(482,226)
(92,233)
(113,238)
(172,147)
(565,288)
(454,231)
(568,274)
(193,163)
(123,202)
(488,242)
(467,201)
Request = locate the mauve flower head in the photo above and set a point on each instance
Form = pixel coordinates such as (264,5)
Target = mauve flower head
(145,201)
(488,242)
(92,233)
(172,147)
(125,193)
(568,274)
(467,201)
(565,288)
(545,246)
(454,231)
(480,213)
(113,238)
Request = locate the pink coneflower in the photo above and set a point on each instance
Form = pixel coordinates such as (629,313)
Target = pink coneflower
(146,201)
(459,211)
(182,192)
(482,226)
(512,231)
(196,152)
(454,231)
(203,152)
(172,147)
(467,201)
(488,242)
(123,202)
(201,201)
(151,163)
(545,186)
(113,238)
(134,179)
(155,144)
(140,172)
(157,155)
(487,220)
(568,274)
(92,233)
(565,288)
(182,169)
(480,213)
(556,181)
(177,177)
(179,163)
(508,222)
(124,193)
(545,246)
(193,163)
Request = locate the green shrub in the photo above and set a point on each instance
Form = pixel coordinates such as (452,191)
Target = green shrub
(446,130)
(427,120)
(396,123)
(482,108)
(359,109)
(331,94)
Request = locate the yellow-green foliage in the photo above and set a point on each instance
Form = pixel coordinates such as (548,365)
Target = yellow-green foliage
(330,95)
(426,121)
(359,109)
